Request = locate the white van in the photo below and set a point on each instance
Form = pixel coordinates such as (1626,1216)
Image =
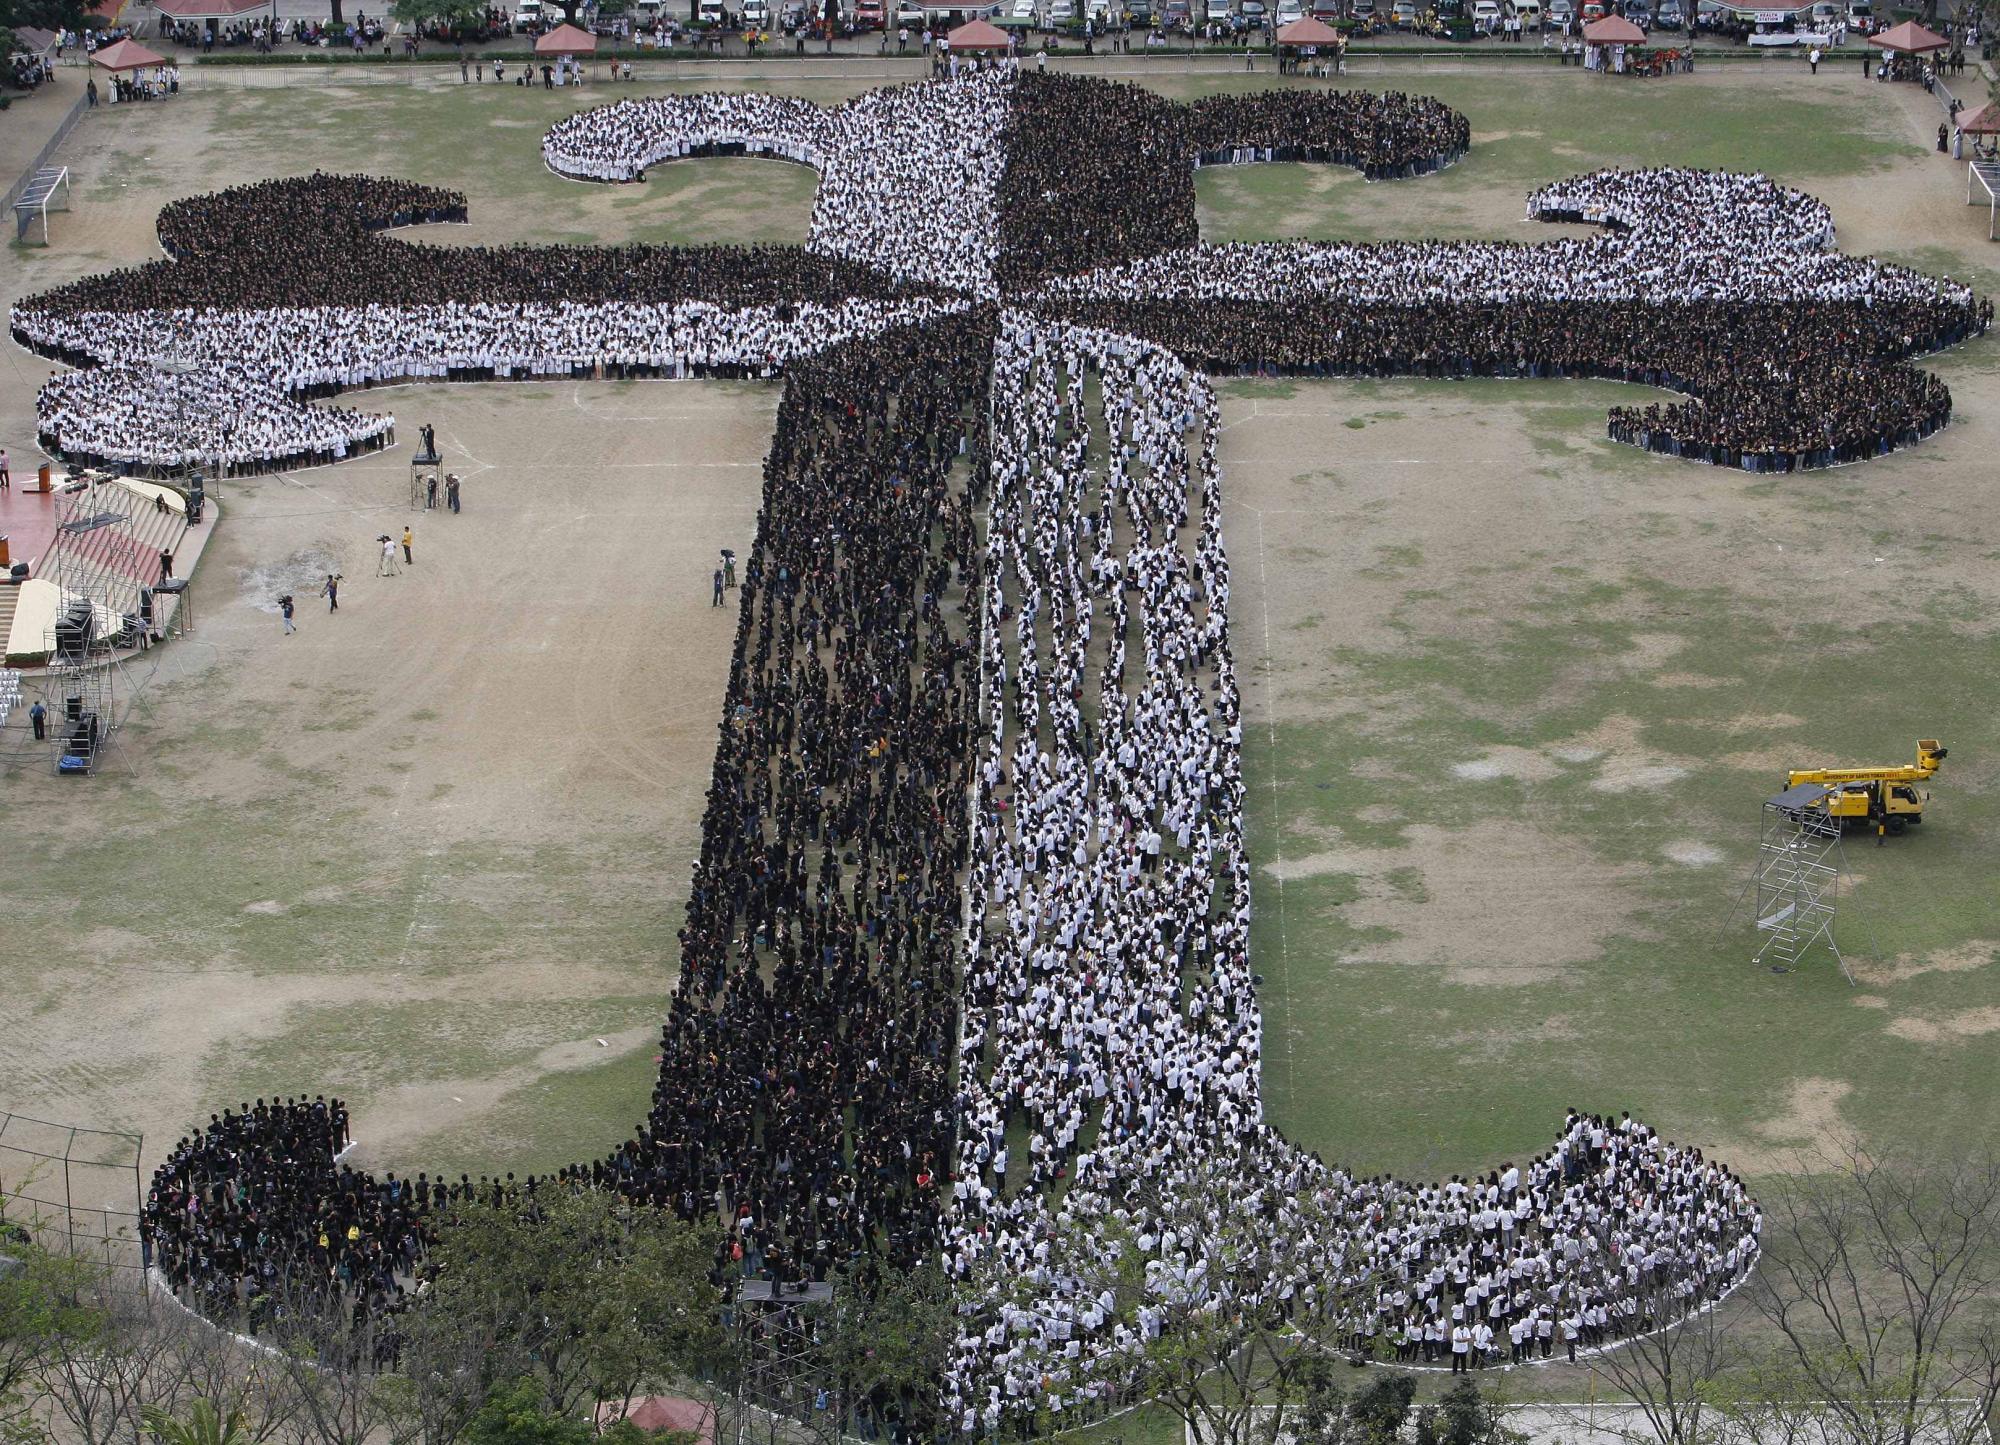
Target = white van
(1860,15)
(1529,13)
(527,14)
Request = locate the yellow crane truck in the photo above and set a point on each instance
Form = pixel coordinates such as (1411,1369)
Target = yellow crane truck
(1885,798)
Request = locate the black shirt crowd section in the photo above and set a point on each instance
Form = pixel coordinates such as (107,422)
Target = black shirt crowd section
(805,1090)
(315,241)
(805,1086)
(1777,387)
(1099,172)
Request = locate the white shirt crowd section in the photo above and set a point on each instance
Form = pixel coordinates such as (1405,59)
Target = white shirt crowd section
(1110,1014)
(1680,235)
(210,416)
(227,401)
(907,173)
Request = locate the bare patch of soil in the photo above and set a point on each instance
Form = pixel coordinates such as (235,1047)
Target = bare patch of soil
(1461,900)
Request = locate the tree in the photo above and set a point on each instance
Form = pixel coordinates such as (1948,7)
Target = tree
(1467,1416)
(1674,1374)
(203,1426)
(1380,1407)
(416,13)
(1881,1282)
(514,1415)
(883,1343)
(1232,1358)
(39,1306)
(114,1360)
(588,1296)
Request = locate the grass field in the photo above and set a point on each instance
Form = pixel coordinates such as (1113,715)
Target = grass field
(1514,695)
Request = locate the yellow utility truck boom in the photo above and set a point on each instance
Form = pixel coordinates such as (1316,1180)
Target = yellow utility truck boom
(1888,798)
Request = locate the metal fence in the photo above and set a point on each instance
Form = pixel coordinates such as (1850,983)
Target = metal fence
(71,1186)
(62,133)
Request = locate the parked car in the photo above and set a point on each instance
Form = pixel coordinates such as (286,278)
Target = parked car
(1254,15)
(868,14)
(1640,13)
(1860,15)
(1403,14)
(1486,16)
(1671,16)
(1562,12)
(1139,13)
(1595,10)
(1363,10)
(1529,13)
(1288,11)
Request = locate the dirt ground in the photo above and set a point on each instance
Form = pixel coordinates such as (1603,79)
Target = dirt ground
(430,851)
(1517,694)
(1513,693)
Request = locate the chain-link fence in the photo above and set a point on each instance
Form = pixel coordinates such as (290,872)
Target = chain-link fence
(72,1188)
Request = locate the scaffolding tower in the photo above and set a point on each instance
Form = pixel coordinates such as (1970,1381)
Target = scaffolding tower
(1799,867)
(82,687)
(782,1397)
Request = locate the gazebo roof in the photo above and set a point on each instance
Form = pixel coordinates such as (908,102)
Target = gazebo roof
(34,40)
(567,39)
(1308,31)
(1985,122)
(1909,38)
(127,55)
(654,1413)
(1613,30)
(979,35)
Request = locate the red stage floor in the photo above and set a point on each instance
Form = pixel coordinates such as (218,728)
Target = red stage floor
(27,520)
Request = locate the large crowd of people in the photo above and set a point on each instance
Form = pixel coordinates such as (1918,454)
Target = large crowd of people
(908,173)
(219,389)
(1719,286)
(805,1088)
(1112,1034)
(965,967)
(288,289)
(1100,173)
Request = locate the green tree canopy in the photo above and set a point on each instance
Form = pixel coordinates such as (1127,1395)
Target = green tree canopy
(421,12)
(585,1296)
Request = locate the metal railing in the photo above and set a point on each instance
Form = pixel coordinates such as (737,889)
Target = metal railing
(68,124)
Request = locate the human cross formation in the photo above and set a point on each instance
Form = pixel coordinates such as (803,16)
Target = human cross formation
(965,969)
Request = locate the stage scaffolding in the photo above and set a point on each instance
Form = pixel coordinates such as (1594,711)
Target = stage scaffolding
(1799,867)
(781,1399)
